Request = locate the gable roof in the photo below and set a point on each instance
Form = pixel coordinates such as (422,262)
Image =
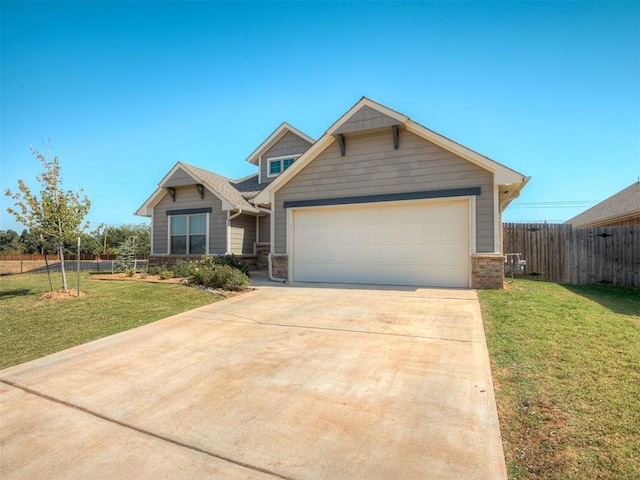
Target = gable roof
(277,134)
(233,193)
(620,206)
(502,175)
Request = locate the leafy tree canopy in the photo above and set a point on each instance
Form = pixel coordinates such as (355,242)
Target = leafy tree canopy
(55,213)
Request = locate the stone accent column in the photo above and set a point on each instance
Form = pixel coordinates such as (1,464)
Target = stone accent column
(262,253)
(280,266)
(487,271)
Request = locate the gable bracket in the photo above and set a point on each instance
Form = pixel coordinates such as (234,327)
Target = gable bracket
(343,149)
(396,139)
(200,188)
(172,192)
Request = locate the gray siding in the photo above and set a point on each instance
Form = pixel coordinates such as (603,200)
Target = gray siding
(366,118)
(180,178)
(289,144)
(372,166)
(243,234)
(265,229)
(188,197)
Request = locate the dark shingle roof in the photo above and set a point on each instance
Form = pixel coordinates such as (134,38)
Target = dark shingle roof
(248,186)
(235,191)
(622,205)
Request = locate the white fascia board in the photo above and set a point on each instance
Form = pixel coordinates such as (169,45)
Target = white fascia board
(146,210)
(265,196)
(502,175)
(147,207)
(364,101)
(226,204)
(273,138)
(173,170)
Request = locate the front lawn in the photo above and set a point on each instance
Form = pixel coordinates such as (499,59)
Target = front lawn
(31,327)
(566,366)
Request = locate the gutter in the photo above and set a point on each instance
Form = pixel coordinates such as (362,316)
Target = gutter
(229,218)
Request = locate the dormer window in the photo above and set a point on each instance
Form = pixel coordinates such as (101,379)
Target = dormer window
(277,165)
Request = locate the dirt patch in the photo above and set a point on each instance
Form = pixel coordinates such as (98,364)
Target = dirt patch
(62,295)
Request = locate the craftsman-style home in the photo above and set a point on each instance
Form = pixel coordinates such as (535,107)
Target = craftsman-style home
(378,199)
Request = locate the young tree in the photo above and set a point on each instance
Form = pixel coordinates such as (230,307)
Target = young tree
(56,213)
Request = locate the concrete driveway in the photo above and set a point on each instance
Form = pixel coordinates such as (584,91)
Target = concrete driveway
(291,382)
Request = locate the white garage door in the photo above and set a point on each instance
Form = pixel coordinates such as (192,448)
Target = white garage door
(422,243)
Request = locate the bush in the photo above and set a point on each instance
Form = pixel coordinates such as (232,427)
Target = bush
(130,272)
(232,261)
(155,270)
(165,274)
(184,269)
(220,276)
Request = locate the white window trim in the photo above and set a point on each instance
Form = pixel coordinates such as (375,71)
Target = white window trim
(206,234)
(280,159)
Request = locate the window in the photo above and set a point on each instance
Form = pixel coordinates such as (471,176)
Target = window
(188,234)
(278,165)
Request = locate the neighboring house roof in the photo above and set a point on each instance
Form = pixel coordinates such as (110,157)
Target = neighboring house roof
(277,134)
(510,181)
(233,193)
(622,206)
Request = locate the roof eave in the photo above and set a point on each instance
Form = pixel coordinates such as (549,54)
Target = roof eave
(611,219)
(264,197)
(276,135)
(502,175)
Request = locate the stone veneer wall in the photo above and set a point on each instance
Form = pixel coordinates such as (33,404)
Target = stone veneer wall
(487,271)
(280,266)
(169,261)
(262,255)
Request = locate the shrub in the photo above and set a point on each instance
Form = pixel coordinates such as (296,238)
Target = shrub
(130,272)
(184,269)
(233,261)
(220,276)
(165,274)
(156,270)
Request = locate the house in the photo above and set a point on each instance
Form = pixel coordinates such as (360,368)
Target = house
(619,210)
(378,199)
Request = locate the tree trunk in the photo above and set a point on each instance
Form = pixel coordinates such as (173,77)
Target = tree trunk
(46,262)
(62,270)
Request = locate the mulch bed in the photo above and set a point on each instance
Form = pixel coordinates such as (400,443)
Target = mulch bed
(156,279)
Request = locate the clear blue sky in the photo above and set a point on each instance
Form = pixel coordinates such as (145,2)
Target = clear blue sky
(124,90)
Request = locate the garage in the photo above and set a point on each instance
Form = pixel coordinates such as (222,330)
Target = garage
(421,243)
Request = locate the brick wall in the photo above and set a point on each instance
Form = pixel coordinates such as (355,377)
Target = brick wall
(487,271)
(280,266)
(262,255)
(169,261)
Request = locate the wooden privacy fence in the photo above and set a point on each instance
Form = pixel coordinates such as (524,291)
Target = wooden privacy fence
(51,257)
(558,253)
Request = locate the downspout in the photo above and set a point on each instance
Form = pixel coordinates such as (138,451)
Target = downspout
(270,269)
(229,218)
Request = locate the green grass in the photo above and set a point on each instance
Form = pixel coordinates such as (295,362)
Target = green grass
(31,328)
(566,364)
